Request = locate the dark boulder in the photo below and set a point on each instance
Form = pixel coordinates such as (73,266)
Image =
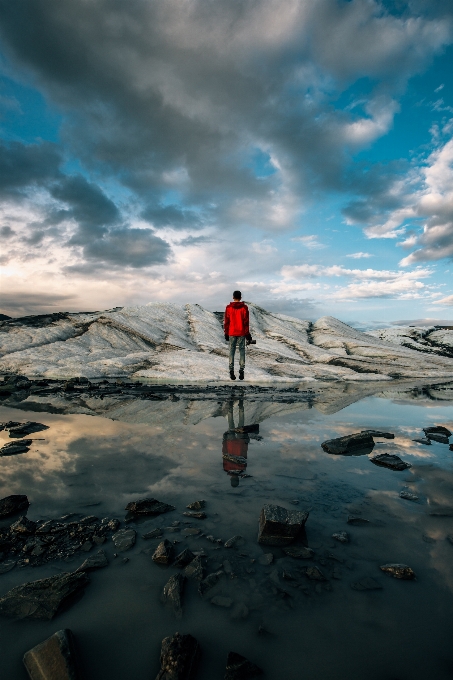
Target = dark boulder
(173,592)
(23,526)
(14,448)
(391,461)
(148,506)
(10,505)
(209,582)
(154,533)
(378,433)
(45,598)
(315,574)
(196,505)
(358,444)
(96,561)
(278,526)
(53,659)
(163,553)
(195,515)
(195,569)
(401,571)
(437,429)
(24,429)
(184,558)
(124,539)
(299,552)
(179,658)
(240,668)
(439,438)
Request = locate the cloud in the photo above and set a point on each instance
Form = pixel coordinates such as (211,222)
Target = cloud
(21,303)
(128,247)
(358,256)
(24,166)
(310,241)
(445,301)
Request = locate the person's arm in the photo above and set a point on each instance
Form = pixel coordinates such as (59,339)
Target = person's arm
(246,321)
(226,324)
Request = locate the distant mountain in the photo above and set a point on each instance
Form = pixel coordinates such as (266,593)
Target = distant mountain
(172,342)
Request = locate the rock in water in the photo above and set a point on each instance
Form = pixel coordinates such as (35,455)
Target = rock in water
(240,668)
(389,460)
(234,541)
(10,505)
(437,429)
(179,657)
(423,440)
(24,429)
(358,444)
(195,515)
(163,553)
(195,569)
(357,521)
(43,599)
(196,505)
(209,582)
(378,433)
(184,558)
(439,438)
(315,574)
(366,583)
(53,659)
(408,496)
(148,506)
(172,593)
(124,539)
(97,561)
(401,571)
(14,448)
(154,533)
(341,536)
(278,526)
(299,552)
(23,526)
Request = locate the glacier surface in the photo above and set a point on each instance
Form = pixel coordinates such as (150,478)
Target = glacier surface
(165,341)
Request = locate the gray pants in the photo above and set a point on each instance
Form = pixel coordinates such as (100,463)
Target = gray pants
(239,342)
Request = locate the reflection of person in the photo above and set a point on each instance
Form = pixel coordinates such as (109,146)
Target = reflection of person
(236,328)
(235,445)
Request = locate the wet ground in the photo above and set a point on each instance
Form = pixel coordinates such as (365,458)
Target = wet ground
(293,629)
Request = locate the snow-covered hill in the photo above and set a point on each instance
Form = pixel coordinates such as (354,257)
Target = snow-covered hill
(172,342)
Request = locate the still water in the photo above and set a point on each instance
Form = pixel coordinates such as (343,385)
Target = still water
(172,450)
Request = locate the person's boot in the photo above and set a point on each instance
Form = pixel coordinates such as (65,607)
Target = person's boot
(241,374)
(232,376)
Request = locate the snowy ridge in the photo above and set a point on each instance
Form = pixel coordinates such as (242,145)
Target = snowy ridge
(171,342)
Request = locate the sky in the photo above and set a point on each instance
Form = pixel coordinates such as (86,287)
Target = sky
(301,151)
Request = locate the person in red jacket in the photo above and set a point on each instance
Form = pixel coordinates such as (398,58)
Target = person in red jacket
(236,328)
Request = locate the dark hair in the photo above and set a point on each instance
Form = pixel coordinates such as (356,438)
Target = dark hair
(237,295)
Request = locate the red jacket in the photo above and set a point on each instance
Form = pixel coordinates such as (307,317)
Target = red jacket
(235,447)
(236,320)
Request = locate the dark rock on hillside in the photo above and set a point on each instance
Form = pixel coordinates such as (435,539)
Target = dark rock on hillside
(173,592)
(240,668)
(25,429)
(358,444)
(163,553)
(148,506)
(53,659)
(14,448)
(10,505)
(278,526)
(45,598)
(390,461)
(401,571)
(179,658)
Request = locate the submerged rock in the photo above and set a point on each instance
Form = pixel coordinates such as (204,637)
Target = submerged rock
(183,559)
(124,539)
(148,506)
(195,569)
(10,505)
(278,526)
(195,515)
(450,538)
(408,496)
(357,521)
(366,583)
(315,574)
(163,553)
(391,461)
(209,582)
(299,552)
(358,444)
(179,658)
(23,429)
(173,592)
(439,438)
(96,561)
(240,668)
(7,566)
(221,601)
(45,598)
(53,659)
(196,505)
(341,536)
(14,448)
(401,571)
(234,541)
(266,559)
(154,533)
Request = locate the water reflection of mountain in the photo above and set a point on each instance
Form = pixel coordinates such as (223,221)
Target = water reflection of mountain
(192,409)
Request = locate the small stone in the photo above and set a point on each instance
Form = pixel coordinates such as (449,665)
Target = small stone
(43,599)
(266,559)
(173,592)
(96,561)
(190,532)
(391,461)
(315,574)
(179,658)
(163,553)
(341,536)
(125,560)
(86,547)
(53,659)
(154,533)
(195,515)
(197,505)
(408,496)
(184,558)
(124,539)
(234,541)
(401,571)
(195,569)
(299,552)
(240,668)
(279,526)
(209,582)
(357,521)
(7,566)
(23,526)
(10,505)
(148,506)
(220,601)
(366,583)
(358,444)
